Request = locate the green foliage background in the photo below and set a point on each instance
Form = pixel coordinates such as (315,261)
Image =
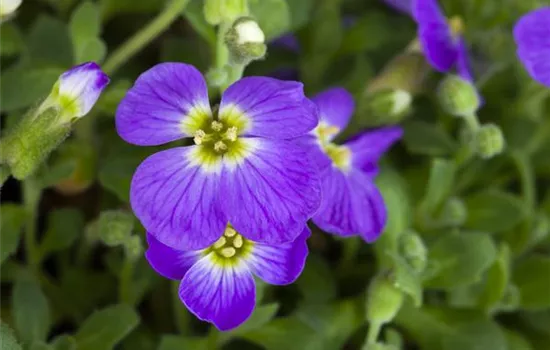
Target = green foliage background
(83,282)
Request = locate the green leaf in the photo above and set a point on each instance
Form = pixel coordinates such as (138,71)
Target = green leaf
(532,277)
(84,24)
(427,139)
(173,342)
(440,184)
(477,335)
(497,279)
(407,280)
(49,43)
(194,14)
(93,50)
(316,283)
(353,41)
(273,16)
(9,342)
(31,312)
(64,342)
(21,87)
(283,334)
(260,317)
(460,259)
(10,37)
(12,219)
(64,227)
(516,341)
(110,8)
(300,13)
(494,211)
(106,328)
(112,95)
(51,174)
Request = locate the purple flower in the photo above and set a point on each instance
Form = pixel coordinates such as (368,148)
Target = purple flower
(401,5)
(244,168)
(78,89)
(532,35)
(217,283)
(351,204)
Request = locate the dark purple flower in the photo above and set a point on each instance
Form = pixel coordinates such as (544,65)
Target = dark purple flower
(532,35)
(287,41)
(244,169)
(401,5)
(217,283)
(351,203)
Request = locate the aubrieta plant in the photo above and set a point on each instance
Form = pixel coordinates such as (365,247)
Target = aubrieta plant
(275,174)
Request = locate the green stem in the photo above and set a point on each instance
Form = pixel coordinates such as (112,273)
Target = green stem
(144,36)
(222,53)
(31,199)
(235,73)
(125,283)
(373,332)
(527,179)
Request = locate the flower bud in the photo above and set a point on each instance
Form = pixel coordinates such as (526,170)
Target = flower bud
(218,11)
(414,251)
(453,213)
(490,141)
(83,156)
(8,7)
(384,300)
(458,97)
(77,90)
(245,41)
(115,227)
(133,248)
(386,106)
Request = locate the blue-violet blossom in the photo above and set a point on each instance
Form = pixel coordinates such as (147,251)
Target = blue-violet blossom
(532,36)
(77,90)
(351,203)
(217,283)
(244,168)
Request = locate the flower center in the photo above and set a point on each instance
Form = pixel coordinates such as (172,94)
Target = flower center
(457,26)
(340,155)
(217,136)
(326,132)
(230,246)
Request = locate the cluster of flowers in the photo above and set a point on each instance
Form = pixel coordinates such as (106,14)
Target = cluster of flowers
(263,163)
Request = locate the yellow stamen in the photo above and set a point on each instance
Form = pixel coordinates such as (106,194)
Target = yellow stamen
(228,252)
(220,146)
(229,232)
(457,25)
(231,133)
(220,243)
(199,136)
(216,125)
(238,241)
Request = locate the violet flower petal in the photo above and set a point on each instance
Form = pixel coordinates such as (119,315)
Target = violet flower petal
(532,36)
(221,294)
(274,108)
(404,6)
(438,44)
(282,263)
(176,199)
(165,104)
(270,195)
(169,262)
(336,107)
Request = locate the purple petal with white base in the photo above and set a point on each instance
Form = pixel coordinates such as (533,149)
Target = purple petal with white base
(163,105)
(83,84)
(280,264)
(404,6)
(351,205)
(438,44)
(176,200)
(224,295)
(318,157)
(169,262)
(532,36)
(369,146)
(274,108)
(336,107)
(271,194)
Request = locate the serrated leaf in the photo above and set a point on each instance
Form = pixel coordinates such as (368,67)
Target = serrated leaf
(494,211)
(12,219)
(64,227)
(427,139)
(9,342)
(106,328)
(462,258)
(532,277)
(31,311)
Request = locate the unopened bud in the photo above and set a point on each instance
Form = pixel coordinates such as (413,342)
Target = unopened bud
(83,156)
(386,106)
(414,251)
(245,41)
(458,97)
(8,7)
(133,248)
(384,300)
(490,141)
(218,11)
(115,227)
(454,213)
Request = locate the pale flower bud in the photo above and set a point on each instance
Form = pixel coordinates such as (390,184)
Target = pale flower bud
(8,7)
